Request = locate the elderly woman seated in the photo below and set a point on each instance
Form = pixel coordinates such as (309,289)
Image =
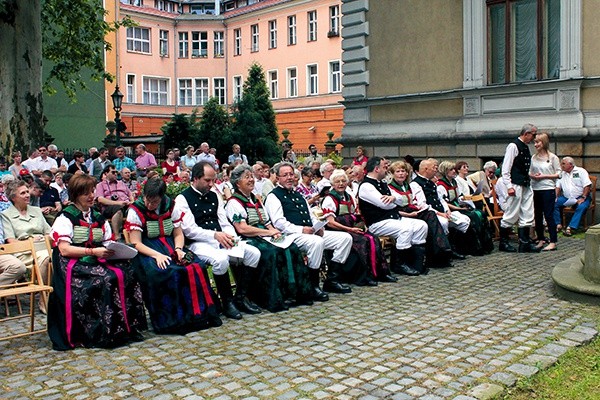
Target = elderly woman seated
(282,274)
(340,210)
(478,240)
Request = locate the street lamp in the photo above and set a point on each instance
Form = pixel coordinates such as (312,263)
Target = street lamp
(117,99)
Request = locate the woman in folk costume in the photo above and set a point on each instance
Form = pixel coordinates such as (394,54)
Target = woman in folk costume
(479,240)
(340,210)
(438,249)
(175,282)
(96,302)
(282,276)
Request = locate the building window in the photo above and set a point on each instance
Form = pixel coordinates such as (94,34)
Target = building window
(185,92)
(313,80)
(237,88)
(163,42)
(334,21)
(219,44)
(199,44)
(155,91)
(201,90)
(292,78)
(273,84)
(291,30)
(312,26)
(138,40)
(237,42)
(273,34)
(335,77)
(219,90)
(183,45)
(130,88)
(523,40)
(254,32)
(132,2)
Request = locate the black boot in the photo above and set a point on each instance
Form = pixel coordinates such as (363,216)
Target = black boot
(224,289)
(419,259)
(240,300)
(332,283)
(401,258)
(505,245)
(315,280)
(525,243)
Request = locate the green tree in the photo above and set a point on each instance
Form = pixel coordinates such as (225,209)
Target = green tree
(255,128)
(181,130)
(215,129)
(70,34)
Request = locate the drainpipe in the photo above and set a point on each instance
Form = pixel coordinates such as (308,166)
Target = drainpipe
(225,47)
(175,56)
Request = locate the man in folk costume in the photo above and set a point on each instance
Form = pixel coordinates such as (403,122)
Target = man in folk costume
(210,236)
(519,204)
(381,215)
(290,213)
(429,194)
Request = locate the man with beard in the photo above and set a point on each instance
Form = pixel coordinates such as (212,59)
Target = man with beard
(211,236)
(313,157)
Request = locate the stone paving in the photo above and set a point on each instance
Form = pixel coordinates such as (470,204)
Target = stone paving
(459,333)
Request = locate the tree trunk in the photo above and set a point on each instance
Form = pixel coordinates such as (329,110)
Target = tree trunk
(21,111)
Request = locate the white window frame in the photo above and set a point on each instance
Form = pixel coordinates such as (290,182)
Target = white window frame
(238,85)
(335,77)
(184,45)
(163,43)
(201,91)
(334,20)
(292,82)
(312,80)
(131,92)
(292,31)
(237,42)
(220,92)
(219,44)
(255,38)
(311,17)
(185,92)
(199,44)
(273,34)
(160,93)
(273,76)
(135,38)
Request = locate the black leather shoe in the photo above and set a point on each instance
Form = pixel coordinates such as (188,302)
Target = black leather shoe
(506,247)
(388,278)
(319,295)
(216,321)
(458,256)
(230,311)
(366,282)
(303,302)
(245,305)
(336,287)
(406,270)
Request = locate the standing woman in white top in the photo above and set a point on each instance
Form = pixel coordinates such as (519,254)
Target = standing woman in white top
(545,168)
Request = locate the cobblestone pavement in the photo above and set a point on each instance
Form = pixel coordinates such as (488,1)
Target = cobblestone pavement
(449,335)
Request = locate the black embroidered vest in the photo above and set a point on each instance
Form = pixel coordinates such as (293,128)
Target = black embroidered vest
(370,212)
(519,173)
(430,191)
(204,208)
(294,207)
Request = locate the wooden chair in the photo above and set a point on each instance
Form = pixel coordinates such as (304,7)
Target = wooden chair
(591,209)
(491,217)
(497,213)
(31,287)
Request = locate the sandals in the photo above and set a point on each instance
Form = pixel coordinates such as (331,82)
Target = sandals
(568,231)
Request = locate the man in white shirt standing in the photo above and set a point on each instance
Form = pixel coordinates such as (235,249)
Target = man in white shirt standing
(573,188)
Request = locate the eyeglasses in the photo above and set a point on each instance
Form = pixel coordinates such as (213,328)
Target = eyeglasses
(41,149)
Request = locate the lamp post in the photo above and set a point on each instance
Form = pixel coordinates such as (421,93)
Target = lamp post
(117,99)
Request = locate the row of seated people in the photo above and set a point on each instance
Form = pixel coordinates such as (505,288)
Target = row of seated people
(98,302)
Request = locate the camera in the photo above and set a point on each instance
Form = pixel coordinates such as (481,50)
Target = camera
(114,197)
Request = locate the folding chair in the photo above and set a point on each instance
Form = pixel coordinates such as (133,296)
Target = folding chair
(32,286)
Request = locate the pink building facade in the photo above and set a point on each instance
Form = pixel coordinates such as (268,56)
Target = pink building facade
(177,57)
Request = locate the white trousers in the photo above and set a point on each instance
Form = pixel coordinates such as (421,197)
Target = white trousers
(219,258)
(313,245)
(519,208)
(406,231)
(458,221)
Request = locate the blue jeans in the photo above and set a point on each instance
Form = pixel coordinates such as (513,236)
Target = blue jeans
(579,211)
(543,207)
